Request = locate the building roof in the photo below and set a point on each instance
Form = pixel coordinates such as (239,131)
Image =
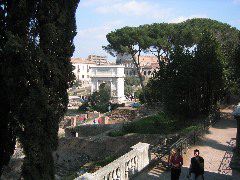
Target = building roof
(81,61)
(151,66)
(152,59)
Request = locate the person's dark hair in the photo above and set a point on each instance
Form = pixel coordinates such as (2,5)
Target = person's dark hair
(196,150)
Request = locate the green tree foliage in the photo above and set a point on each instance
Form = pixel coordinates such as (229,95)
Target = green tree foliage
(100,99)
(192,83)
(236,64)
(225,35)
(132,41)
(132,81)
(159,40)
(129,83)
(38,43)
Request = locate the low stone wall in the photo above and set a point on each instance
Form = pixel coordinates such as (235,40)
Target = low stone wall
(90,130)
(124,167)
(124,114)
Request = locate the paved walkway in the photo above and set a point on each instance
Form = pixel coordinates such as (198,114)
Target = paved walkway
(215,148)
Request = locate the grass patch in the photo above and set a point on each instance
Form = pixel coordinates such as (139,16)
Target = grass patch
(106,161)
(191,129)
(116,133)
(156,124)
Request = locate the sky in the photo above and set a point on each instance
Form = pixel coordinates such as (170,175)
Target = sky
(96,18)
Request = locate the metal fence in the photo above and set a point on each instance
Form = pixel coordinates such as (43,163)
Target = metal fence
(163,151)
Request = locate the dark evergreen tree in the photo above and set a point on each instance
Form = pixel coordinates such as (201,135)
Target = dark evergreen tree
(236,64)
(191,83)
(36,72)
(209,73)
(100,99)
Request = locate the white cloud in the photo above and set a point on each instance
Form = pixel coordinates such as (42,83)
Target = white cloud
(236,1)
(90,40)
(133,8)
(184,18)
(100,32)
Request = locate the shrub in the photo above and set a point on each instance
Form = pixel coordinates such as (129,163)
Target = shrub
(157,124)
(106,161)
(84,107)
(191,129)
(116,133)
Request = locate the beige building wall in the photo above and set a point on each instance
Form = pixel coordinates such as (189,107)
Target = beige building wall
(82,70)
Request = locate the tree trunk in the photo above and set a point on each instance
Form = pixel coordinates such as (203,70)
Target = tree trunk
(238,134)
(137,65)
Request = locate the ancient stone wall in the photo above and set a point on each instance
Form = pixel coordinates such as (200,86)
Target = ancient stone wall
(90,130)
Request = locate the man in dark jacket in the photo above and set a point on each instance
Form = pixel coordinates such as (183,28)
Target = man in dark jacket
(197,166)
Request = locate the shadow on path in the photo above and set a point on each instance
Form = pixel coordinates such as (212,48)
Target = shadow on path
(156,175)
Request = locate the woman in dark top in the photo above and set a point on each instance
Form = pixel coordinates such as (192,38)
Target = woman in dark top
(196,169)
(176,162)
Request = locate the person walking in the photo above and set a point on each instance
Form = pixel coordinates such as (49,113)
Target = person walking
(176,162)
(196,169)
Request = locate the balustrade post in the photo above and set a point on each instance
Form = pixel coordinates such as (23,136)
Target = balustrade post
(122,171)
(126,171)
(235,163)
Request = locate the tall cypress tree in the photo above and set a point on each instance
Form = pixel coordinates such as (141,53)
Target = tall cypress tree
(37,73)
(236,63)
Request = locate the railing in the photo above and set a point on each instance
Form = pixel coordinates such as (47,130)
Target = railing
(124,167)
(164,151)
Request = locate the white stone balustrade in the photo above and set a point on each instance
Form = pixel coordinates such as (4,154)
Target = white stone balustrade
(124,167)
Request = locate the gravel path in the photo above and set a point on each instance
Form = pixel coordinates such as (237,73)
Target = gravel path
(215,148)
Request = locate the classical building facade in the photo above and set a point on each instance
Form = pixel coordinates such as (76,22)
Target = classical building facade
(113,75)
(148,65)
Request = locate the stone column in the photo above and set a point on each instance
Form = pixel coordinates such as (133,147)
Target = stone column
(120,89)
(122,171)
(74,121)
(235,163)
(97,85)
(111,87)
(143,158)
(93,85)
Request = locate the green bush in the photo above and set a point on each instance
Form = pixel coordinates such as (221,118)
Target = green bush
(84,107)
(106,161)
(157,124)
(116,133)
(191,129)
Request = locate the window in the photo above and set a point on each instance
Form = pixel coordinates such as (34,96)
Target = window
(149,73)
(145,73)
(82,76)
